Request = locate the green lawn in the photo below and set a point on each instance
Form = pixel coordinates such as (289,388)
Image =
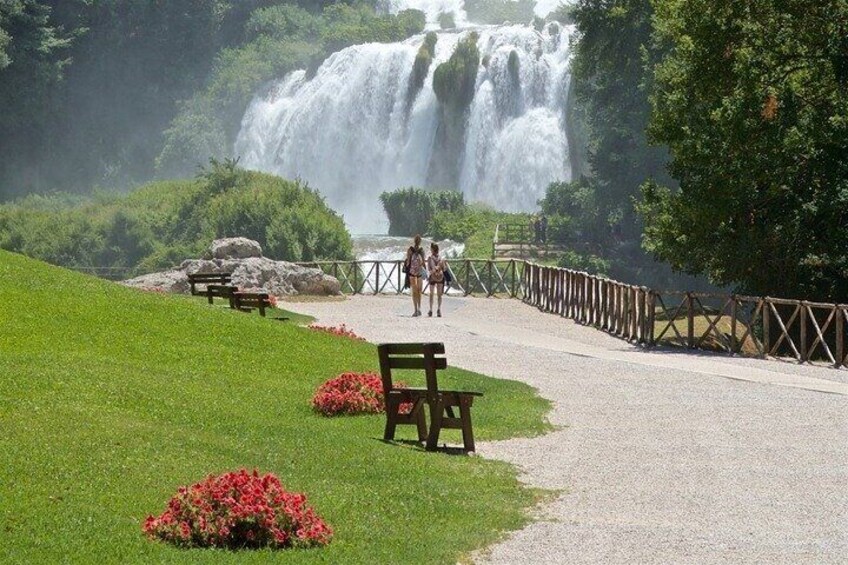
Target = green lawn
(110,398)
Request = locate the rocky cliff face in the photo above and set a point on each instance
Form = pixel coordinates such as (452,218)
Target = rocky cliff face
(251,271)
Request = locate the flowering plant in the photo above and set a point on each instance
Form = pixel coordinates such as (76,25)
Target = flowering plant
(341,330)
(238,510)
(353,393)
(273,300)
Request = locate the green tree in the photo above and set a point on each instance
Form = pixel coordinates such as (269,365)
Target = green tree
(612,77)
(752,100)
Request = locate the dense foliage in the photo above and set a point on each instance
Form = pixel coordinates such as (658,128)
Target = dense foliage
(612,77)
(752,100)
(95,93)
(411,210)
(164,223)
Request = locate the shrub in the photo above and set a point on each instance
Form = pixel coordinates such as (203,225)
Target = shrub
(238,510)
(162,224)
(410,210)
(353,393)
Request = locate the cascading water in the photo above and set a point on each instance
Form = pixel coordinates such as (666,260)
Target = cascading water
(357,129)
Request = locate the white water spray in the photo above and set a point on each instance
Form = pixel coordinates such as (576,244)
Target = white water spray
(351,133)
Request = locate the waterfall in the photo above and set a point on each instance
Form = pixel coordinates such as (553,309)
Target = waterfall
(352,131)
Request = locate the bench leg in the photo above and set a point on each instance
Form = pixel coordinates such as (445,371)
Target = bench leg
(467,433)
(420,420)
(209,297)
(262,310)
(437,409)
(392,408)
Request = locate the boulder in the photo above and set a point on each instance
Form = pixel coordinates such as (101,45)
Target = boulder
(252,273)
(234,248)
(167,281)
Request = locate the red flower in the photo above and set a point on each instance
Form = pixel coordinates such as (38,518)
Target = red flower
(353,393)
(238,510)
(342,331)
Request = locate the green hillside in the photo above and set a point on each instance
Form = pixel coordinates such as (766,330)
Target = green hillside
(110,398)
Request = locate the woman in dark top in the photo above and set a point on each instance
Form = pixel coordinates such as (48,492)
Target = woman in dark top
(416,270)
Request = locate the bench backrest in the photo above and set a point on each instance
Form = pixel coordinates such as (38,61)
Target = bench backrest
(426,356)
(210,277)
(206,278)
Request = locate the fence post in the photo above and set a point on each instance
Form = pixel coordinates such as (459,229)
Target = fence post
(652,313)
(491,291)
(803,306)
(377,278)
(766,333)
(690,319)
(733,315)
(840,336)
(467,277)
(355,276)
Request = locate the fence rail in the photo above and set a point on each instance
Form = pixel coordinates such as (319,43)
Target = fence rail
(809,332)
(470,276)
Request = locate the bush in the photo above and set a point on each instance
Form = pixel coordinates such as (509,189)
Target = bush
(410,210)
(353,393)
(164,223)
(239,510)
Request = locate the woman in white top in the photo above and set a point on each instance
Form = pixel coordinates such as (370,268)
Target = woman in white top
(436,266)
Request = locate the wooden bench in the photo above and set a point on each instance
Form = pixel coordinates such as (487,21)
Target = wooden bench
(221,291)
(441,403)
(247,301)
(207,279)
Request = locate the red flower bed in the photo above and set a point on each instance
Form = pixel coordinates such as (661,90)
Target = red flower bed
(238,510)
(353,393)
(341,330)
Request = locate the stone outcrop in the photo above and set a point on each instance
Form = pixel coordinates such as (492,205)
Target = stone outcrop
(233,248)
(243,258)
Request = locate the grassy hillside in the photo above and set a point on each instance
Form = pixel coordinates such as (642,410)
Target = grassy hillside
(110,398)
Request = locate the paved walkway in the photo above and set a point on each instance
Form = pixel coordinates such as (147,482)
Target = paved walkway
(662,457)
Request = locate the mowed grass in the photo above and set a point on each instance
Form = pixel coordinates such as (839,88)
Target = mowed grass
(111,398)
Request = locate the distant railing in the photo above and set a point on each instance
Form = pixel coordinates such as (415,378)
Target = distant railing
(809,332)
(109,273)
(470,276)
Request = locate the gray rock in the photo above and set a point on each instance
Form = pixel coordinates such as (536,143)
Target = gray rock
(234,248)
(167,281)
(252,273)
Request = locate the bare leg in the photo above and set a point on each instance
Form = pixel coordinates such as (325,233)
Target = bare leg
(431,299)
(413,282)
(440,289)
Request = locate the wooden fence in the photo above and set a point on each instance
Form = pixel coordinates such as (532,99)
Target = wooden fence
(809,332)
(470,276)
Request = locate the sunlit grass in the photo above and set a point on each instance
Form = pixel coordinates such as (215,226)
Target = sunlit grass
(110,398)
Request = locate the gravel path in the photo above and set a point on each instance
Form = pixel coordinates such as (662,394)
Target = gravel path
(662,457)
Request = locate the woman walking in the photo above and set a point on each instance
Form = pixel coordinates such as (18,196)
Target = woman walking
(414,265)
(436,267)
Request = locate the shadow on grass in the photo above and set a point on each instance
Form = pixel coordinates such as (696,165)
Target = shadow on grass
(419,446)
